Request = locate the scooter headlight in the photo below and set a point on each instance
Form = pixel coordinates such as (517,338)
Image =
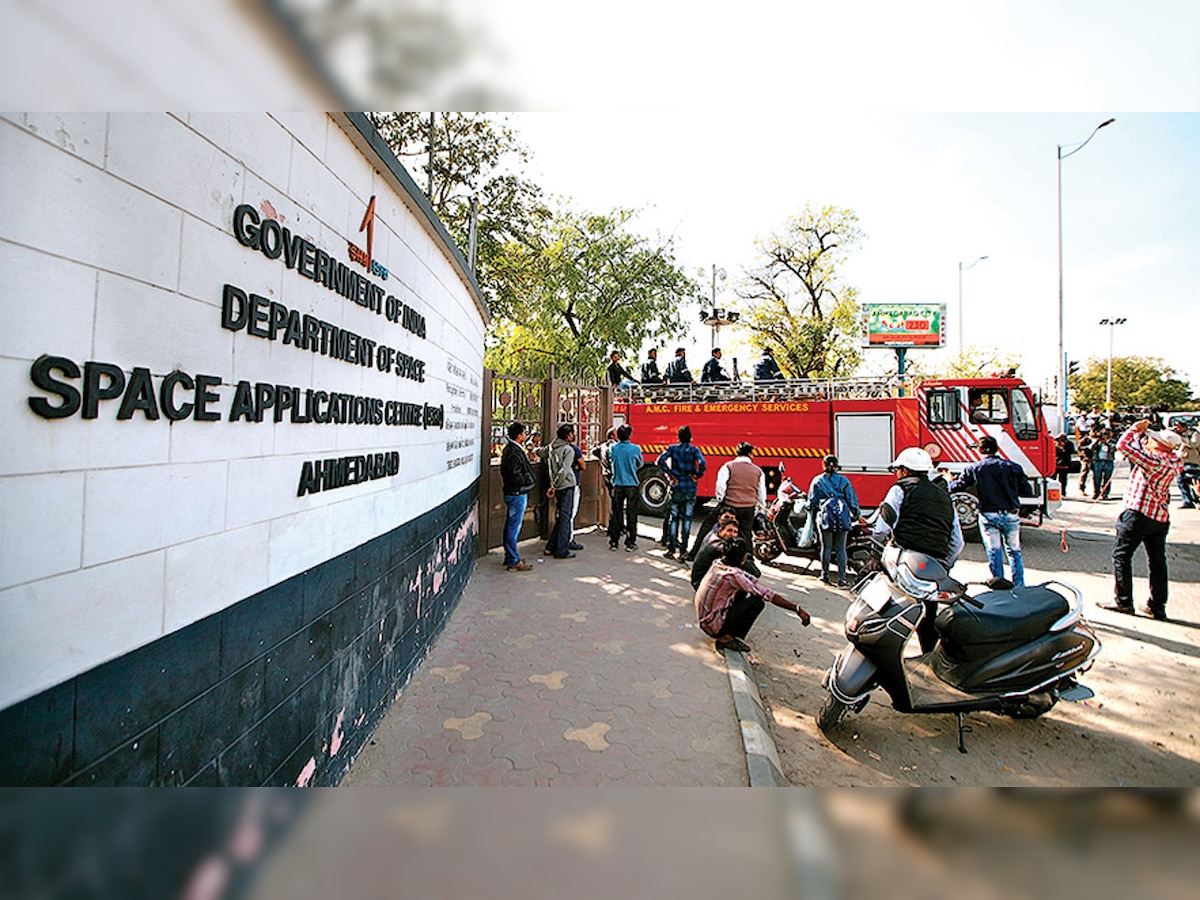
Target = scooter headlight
(915,587)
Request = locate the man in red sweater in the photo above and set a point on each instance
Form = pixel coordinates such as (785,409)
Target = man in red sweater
(1145,519)
(729,599)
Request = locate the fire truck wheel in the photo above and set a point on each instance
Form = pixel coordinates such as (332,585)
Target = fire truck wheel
(967,507)
(653,491)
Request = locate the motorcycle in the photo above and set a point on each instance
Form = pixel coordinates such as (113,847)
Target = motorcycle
(781,530)
(1013,651)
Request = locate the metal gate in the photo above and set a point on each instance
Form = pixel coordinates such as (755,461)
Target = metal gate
(541,406)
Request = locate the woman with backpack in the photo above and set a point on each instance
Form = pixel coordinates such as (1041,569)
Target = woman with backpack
(832,499)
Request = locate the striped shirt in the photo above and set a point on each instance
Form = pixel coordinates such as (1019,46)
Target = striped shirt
(1149,491)
(718,590)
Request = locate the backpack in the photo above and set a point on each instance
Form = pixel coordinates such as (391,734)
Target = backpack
(834,515)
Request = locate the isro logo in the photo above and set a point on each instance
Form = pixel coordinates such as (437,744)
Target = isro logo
(363,257)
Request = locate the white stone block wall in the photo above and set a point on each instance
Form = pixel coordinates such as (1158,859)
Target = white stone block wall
(116,240)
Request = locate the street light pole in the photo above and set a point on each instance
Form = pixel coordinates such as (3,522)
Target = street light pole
(1111,323)
(716,273)
(961,269)
(1062,354)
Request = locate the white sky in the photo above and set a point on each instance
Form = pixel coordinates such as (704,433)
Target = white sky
(778,105)
(931,190)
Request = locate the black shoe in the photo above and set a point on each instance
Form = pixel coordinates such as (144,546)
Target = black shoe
(735,644)
(612,546)
(568,556)
(670,554)
(629,548)
(843,583)
(1159,614)
(1187,505)
(1117,607)
(574,545)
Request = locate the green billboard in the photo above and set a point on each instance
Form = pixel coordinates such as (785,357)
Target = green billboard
(904,324)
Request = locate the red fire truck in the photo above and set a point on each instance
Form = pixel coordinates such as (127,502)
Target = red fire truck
(793,424)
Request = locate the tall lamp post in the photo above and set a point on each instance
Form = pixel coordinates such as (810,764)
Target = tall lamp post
(1062,355)
(961,269)
(717,316)
(1112,324)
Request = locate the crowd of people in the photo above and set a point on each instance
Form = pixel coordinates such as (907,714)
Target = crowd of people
(678,372)
(917,512)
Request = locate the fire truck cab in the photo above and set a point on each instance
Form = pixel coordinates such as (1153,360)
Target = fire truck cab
(793,425)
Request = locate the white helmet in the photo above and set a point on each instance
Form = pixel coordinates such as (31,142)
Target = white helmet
(914,459)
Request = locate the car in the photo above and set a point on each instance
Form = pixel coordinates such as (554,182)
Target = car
(1191,419)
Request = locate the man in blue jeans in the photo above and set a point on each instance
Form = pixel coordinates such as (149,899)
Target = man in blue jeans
(683,465)
(518,479)
(999,484)
(626,459)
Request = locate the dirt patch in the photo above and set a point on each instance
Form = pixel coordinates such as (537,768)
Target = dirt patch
(1141,729)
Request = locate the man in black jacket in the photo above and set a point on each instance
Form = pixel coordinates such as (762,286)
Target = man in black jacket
(678,371)
(712,548)
(618,375)
(998,484)
(516,473)
(920,516)
(713,373)
(766,369)
(650,373)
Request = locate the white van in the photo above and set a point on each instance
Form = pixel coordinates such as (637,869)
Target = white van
(1192,419)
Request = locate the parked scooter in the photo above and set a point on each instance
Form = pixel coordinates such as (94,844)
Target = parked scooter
(783,530)
(1013,651)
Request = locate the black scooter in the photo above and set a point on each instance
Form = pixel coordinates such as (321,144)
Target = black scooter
(779,531)
(1014,652)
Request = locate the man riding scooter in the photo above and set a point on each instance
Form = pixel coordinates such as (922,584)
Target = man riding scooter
(920,516)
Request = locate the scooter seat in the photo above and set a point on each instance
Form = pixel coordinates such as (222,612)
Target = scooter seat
(1016,615)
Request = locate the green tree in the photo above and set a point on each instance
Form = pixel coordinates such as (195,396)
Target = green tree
(587,285)
(975,362)
(793,300)
(475,155)
(1136,381)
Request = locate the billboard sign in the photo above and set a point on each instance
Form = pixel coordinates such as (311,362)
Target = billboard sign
(904,324)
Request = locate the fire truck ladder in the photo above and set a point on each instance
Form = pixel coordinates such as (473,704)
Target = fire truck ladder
(764,391)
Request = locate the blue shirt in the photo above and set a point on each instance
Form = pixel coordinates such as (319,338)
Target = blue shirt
(827,486)
(998,482)
(626,460)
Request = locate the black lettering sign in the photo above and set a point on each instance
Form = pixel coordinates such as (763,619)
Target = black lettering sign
(139,395)
(41,374)
(319,475)
(166,397)
(94,392)
(275,241)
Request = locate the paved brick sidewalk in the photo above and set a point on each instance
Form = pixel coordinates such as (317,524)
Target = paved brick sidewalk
(588,671)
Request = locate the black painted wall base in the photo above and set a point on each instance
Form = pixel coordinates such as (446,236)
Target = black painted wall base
(282,688)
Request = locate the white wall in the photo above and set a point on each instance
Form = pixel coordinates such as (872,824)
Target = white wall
(115,242)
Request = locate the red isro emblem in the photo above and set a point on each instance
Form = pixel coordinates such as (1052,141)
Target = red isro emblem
(364,257)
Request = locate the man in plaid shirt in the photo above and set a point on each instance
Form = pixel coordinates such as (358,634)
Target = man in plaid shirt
(1145,519)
